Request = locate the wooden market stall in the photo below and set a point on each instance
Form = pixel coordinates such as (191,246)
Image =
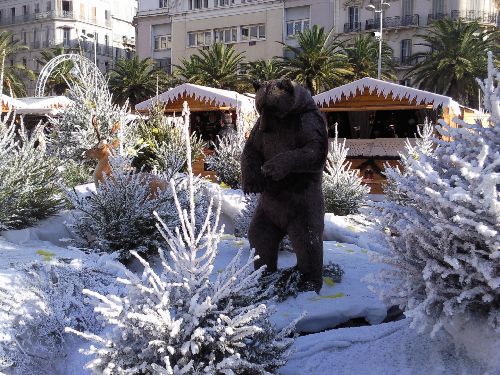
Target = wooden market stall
(376,118)
(209,106)
(9,103)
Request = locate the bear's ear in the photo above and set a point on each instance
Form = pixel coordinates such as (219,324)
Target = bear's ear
(287,85)
(257,85)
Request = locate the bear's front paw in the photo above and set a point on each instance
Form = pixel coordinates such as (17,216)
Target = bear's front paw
(275,169)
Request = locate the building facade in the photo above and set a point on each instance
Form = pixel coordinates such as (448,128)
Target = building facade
(75,25)
(170,30)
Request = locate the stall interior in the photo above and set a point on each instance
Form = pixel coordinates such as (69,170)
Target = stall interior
(210,124)
(378,124)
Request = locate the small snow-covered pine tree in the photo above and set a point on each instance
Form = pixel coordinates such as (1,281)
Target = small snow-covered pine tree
(180,318)
(118,216)
(445,237)
(342,187)
(29,182)
(423,145)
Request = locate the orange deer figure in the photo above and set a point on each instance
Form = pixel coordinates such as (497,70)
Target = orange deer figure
(102,152)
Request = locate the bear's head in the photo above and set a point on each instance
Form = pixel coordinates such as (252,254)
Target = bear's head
(275,97)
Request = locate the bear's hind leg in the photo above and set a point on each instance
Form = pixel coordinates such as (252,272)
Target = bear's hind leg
(307,243)
(265,237)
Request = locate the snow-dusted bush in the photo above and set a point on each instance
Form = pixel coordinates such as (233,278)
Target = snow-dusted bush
(423,145)
(445,237)
(29,182)
(180,318)
(161,146)
(226,160)
(40,302)
(118,216)
(342,187)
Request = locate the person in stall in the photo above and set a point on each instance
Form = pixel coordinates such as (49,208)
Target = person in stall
(226,125)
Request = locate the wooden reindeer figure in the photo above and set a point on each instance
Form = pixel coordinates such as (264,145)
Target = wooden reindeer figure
(102,152)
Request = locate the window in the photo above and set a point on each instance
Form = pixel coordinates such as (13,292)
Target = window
(407,8)
(25,62)
(163,4)
(227,36)
(223,3)
(437,7)
(94,14)
(199,38)
(253,32)
(353,14)
(106,44)
(162,42)
(82,11)
(164,64)
(296,26)
(198,4)
(49,6)
(405,51)
(107,14)
(13,13)
(25,10)
(66,37)
(66,6)
(37,8)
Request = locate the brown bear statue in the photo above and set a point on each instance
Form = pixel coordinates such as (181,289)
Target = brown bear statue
(283,159)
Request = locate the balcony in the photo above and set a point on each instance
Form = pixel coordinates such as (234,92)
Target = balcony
(352,27)
(406,61)
(35,17)
(411,20)
(475,15)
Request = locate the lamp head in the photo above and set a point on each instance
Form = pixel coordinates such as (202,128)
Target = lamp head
(370,7)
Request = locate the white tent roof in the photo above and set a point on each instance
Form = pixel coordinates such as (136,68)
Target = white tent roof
(382,88)
(203,93)
(11,102)
(43,105)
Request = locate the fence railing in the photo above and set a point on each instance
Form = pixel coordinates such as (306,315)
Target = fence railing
(410,20)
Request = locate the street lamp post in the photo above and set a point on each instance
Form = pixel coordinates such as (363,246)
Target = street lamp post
(379,10)
(92,36)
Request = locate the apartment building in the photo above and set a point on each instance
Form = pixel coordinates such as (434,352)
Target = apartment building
(169,30)
(41,24)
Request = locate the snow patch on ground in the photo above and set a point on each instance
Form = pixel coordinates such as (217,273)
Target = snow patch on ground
(388,349)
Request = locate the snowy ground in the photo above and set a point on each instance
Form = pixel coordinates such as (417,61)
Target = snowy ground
(381,348)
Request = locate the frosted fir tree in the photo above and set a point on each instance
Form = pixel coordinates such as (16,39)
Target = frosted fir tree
(181,318)
(29,187)
(423,145)
(445,240)
(47,299)
(342,187)
(118,216)
(74,128)
(226,161)
(161,143)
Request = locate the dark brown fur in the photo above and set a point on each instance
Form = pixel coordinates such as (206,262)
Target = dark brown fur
(283,159)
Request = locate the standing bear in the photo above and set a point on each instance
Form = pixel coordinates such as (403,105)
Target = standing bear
(283,159)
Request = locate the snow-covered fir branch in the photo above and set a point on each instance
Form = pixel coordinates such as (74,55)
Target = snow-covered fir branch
(180,318)
(37,305)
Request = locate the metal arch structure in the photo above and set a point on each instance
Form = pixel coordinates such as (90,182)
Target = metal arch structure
(78,60)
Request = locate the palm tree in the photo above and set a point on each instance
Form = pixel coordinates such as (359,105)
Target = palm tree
(264,70)
(136,80)
(362,54)
(14,73)
(318,62)
(218,67)
(457,55)
(58,80)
